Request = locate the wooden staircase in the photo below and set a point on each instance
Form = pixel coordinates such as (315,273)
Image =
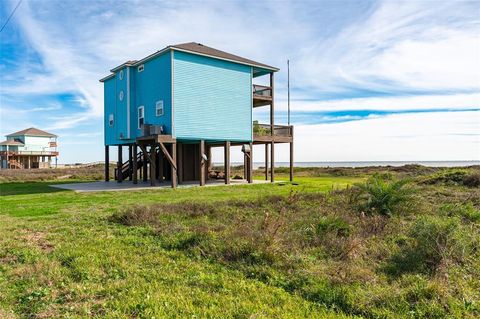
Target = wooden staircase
(14,164)
(126,171)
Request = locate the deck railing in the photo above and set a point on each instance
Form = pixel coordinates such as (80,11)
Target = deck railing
(265,130)
(262,91)
(41,153)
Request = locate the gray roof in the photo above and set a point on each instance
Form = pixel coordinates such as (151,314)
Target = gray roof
(11,142)
(205,50)
(196,48)
(32,131)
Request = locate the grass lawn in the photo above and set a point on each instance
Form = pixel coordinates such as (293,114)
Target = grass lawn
(61,257)
(191,253)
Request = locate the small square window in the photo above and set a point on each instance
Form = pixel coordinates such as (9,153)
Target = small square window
(159,108)
(141,67)
(110,120)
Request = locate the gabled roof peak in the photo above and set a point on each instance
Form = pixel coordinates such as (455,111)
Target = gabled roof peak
(196,48)
(200,48)
(32,131)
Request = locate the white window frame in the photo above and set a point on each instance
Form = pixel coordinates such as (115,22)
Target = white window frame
(141,107)
(159,106)
(140,68)
(111,120)
(120,75)
(121,95)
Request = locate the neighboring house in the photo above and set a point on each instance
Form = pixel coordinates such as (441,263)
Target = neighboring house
(178,103)
(29,148)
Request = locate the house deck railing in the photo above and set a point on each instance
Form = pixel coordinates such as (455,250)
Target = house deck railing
(40,153)
(278,130)
(262,91)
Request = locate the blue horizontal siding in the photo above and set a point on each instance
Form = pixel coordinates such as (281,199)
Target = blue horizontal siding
(153,84)
(212,99)
(109,93)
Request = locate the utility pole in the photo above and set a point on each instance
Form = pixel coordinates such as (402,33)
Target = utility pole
(288,89)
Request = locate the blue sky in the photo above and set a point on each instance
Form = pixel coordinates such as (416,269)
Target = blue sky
(370,80)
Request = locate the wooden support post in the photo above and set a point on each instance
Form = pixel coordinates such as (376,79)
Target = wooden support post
(119,165)
(245,169)
(145,164)
(272,106)
(291,155)
(272,129)
(153,156)
(202,163)
(180,162)
(174,167)
(250,164)
(140,176)
(157,163)
(272,162)
(130,162)
(168,156)
(160,166)
(107,163)
(135,164)
(266,161)
(227,162)
(209,162)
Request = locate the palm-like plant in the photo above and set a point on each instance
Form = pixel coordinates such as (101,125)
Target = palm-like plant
(384,197)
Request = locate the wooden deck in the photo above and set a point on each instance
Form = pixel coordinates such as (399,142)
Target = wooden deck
(159,138)
(262,95)
(262,133)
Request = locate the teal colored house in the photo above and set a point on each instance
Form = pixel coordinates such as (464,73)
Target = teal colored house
(171,107)
(27,149)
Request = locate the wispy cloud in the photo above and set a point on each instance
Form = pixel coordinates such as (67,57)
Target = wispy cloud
(377,55)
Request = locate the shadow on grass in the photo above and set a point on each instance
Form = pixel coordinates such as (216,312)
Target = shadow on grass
(9,189)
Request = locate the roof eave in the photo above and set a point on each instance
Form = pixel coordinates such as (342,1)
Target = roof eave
(267,67)
(108,77)
(121,66)
(155,54)
(37,135)
(151,56)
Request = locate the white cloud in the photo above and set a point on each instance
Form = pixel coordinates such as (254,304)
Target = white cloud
(426,136)
(399,137)
(415,102)
(401,46)
(424,55)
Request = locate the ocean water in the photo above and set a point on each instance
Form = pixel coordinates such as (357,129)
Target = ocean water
(368,163)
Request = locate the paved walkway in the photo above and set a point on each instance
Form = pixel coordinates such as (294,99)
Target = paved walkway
(128,185)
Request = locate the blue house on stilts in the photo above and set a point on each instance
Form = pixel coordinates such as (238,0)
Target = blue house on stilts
(171,107)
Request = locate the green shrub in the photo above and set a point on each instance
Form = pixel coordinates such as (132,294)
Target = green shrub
(260,130)
(448,177)
(384,197)
(472,180)
(432,245)
(464,210)
(332,225)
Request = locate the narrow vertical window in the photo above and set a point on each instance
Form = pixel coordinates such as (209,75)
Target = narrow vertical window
(159,108)
(141,116)
(110,120)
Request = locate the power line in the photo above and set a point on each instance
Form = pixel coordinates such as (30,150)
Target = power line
(11,15)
